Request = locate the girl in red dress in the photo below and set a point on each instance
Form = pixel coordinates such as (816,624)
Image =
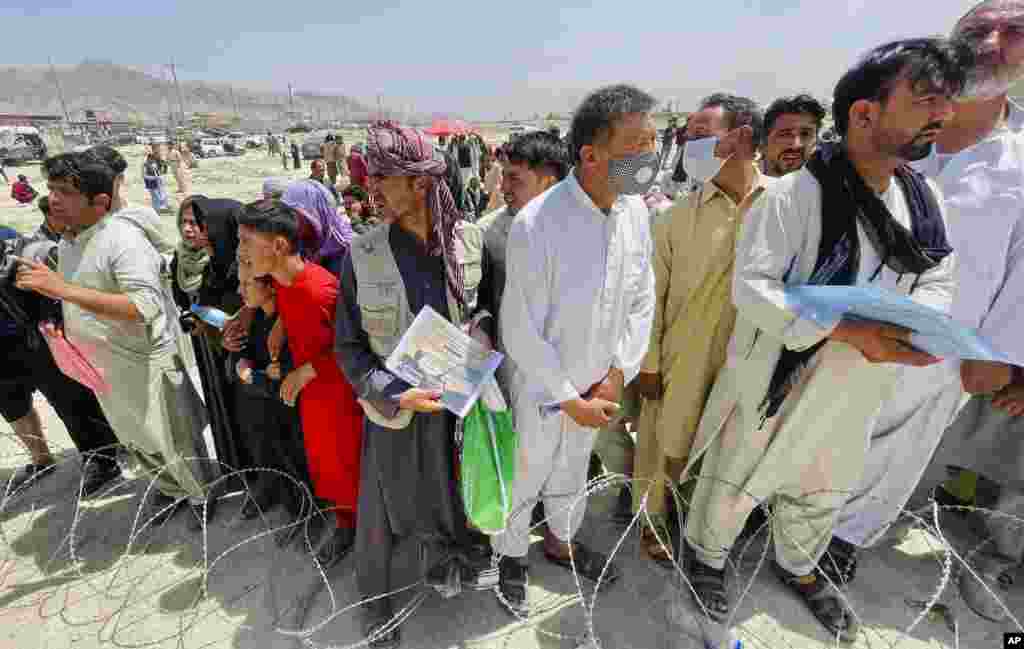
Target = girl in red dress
(332,420)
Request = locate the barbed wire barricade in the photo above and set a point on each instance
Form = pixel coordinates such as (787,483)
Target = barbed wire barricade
(107,568)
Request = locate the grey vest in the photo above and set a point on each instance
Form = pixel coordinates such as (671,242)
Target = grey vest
(384,305)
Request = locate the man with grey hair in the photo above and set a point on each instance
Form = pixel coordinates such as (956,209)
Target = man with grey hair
(978,163)
(576,338)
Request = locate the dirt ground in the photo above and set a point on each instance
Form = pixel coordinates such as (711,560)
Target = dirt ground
(85,574)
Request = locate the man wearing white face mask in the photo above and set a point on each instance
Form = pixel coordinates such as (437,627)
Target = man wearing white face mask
(788,419)
(694,250)
(576,320)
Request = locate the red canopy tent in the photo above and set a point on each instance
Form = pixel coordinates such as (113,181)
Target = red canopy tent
(448,127)
(443,127)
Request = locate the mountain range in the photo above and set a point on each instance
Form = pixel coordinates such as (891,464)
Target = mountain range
(130,94)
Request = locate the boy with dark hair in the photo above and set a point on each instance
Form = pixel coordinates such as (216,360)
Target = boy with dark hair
(116,312)
(272,426)
(307,297)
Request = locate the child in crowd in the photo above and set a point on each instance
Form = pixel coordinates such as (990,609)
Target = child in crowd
(332,419)
(273,427)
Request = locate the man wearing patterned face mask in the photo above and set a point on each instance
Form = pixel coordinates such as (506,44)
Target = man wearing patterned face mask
(576,320)
(694,249)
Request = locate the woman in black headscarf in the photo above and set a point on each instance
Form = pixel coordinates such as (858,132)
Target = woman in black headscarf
(212,226)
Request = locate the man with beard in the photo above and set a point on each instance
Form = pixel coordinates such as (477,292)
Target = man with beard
(791,126)
(576,320)
(694,249)
(978,162)
(428,256)
(789,415)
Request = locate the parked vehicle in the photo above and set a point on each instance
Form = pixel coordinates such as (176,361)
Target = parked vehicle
(21,144)
(209,147)
(238,140)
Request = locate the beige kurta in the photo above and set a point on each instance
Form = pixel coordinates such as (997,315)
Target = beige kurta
(152,407)
(694,250)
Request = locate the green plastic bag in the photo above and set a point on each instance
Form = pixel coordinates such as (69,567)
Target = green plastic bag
(488,467)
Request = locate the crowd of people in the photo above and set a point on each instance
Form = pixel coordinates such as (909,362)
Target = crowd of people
(636,285)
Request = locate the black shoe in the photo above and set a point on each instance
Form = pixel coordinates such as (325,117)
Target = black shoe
(202,514)
(30,473)
(336,547)
(97,475)
(513,578)
(478,569)
(710,593)
(839,563)
(755,523)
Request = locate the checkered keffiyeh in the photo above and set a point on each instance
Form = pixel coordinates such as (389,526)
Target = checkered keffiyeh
(394,150)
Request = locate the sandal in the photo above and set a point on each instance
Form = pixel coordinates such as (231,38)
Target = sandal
(378,618)
(839,563)
(588,563)
(826,603)
(709,590)
(512,585)
(657,547)
(387,640)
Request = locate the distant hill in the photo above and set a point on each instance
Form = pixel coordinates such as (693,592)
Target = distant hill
(130,94)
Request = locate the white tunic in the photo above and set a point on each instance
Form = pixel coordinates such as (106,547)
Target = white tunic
(983,187)
(813,451)
(579,292)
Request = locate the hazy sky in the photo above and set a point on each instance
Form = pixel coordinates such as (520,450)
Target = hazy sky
(482,59)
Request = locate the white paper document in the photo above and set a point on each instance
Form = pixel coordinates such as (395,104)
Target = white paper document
(434,354)
(934,331)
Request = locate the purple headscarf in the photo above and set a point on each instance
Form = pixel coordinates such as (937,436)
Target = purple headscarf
(333,231)
(393,150)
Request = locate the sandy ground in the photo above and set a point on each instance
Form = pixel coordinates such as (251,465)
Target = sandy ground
(84,574)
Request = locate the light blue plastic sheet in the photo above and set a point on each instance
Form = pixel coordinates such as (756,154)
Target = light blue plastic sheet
(934,331)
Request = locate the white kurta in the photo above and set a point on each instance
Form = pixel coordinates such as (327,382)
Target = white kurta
(578,300)
(810,455)
(983,187)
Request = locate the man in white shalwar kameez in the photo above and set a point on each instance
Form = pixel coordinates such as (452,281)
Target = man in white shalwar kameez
(576,321)
(789,416)
(978,162)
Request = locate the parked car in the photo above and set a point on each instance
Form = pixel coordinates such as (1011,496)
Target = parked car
(209,147)
(21,147)
(255,141)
